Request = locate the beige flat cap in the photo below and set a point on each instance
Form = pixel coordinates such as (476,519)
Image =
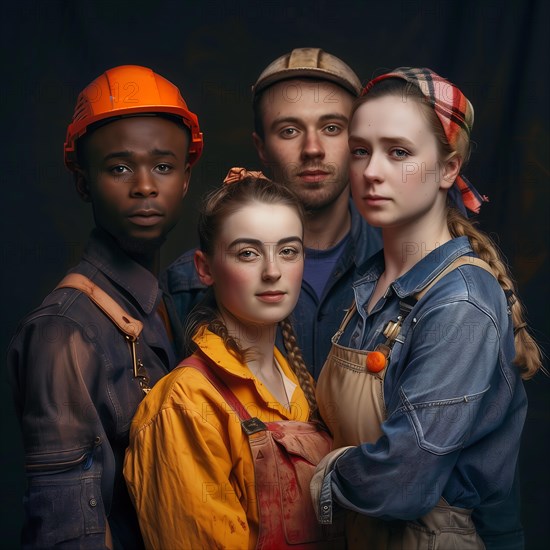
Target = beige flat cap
(309,63)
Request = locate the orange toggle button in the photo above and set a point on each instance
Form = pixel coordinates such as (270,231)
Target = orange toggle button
(376,361)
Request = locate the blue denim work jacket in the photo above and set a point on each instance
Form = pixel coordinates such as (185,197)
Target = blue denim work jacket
(315,320)
(71,371)
(455,403)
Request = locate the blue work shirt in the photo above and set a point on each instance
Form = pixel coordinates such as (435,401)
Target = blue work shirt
(455,403)
(315,319)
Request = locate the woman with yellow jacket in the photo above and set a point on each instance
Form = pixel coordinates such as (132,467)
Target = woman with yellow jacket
(200,471)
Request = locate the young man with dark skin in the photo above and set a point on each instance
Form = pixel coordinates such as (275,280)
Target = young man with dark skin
(302,102)
(81,363)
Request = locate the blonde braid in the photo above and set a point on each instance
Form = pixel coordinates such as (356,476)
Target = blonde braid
(298,365)
(528,354)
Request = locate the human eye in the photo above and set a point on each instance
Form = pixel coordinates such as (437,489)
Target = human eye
(291,252)
(359,152)
(333,129)
(247,254)
(399,153)
(163,167)
(288,132)
(119,169)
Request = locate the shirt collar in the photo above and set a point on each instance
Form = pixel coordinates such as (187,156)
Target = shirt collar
(431,266)
(103,252)
(212,346)
(423,272)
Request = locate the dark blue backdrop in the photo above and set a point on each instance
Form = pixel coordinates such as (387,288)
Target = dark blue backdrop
(495,50)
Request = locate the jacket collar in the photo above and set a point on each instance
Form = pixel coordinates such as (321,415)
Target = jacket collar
(181,275)
(422,273)
(212,346)
(103,252)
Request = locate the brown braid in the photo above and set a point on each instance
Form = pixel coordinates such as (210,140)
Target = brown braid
(297,364)
(205,314)
(528,354)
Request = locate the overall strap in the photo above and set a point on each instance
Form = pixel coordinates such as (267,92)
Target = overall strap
(350,312)
(393,328)
(130,327)
(377,359)
(202,364)
(463,260)
(126,323)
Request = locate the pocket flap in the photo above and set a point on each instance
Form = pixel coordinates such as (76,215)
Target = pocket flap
(305,439)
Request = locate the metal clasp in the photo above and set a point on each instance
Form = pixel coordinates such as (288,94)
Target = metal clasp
(140,373)
(253,425)
(392,329)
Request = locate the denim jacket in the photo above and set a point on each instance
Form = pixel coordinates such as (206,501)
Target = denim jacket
(455,403)
(315,320)
(71,371)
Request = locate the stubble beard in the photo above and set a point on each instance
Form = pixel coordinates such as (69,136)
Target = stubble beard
(319,195)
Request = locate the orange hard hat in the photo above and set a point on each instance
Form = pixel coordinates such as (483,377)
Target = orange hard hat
(124,91)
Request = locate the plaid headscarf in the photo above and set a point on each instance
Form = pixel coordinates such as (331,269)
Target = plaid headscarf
(455,113)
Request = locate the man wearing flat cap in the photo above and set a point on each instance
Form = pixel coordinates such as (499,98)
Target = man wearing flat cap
(302,103)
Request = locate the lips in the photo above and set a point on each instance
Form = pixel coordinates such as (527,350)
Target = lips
(271,296)
(145,216)
(313,176)
(375,199)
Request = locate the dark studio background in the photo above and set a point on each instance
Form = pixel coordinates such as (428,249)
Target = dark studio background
(496,51)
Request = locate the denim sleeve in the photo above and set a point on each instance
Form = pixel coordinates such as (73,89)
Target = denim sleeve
(50,365)
(182,282)
(438,395)
(499,524)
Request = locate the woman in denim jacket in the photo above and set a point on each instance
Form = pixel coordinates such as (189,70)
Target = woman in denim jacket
(422,389)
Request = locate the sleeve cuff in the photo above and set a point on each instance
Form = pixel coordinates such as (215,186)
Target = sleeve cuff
(321,489)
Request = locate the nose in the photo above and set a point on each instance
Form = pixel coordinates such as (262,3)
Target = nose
(373,172)
(271,269)
(144,184)
(313,146)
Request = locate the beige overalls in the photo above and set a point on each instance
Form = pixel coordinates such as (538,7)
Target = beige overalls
(344,380)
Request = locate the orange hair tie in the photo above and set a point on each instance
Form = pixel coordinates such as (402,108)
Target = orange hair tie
(237,174)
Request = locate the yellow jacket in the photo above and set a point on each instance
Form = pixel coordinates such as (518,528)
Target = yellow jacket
(189,468)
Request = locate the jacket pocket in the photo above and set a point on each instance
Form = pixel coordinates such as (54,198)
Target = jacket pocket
(49,463)
(63,500)
(443,528)
(442,427)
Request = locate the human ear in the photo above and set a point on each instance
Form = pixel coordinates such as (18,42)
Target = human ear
(451,169)
(260,147)
(186,179)
(81,184)
(202,265)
